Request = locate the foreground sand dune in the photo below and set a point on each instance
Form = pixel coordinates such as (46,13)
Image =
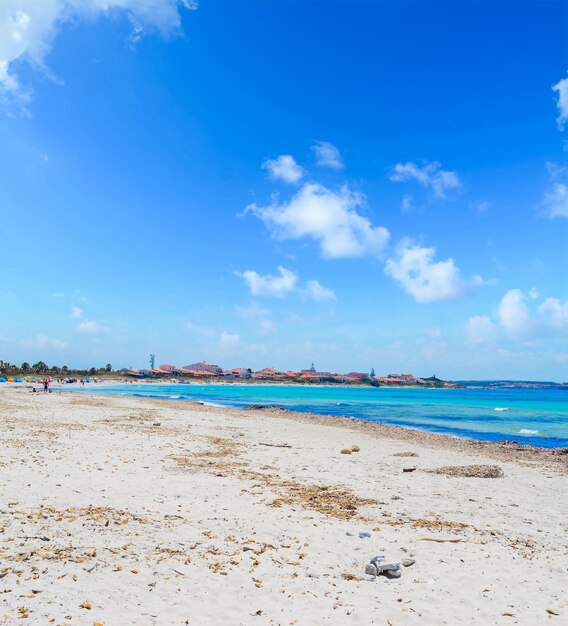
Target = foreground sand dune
(133,511)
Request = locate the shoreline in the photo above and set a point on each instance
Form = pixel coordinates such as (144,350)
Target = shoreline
(503,449)
(511,451)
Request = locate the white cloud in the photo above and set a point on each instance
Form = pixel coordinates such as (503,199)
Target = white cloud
(285,283)
(556,200)
(284,168)
(561,88)
(515,320)
(414,269)
(91,327)
(429,175)
(42,341)
(329,217)
(316,291)
(279,286)
(327,155)
(76,312)
(29,27)
(513,313)
(480,329)
(556,311)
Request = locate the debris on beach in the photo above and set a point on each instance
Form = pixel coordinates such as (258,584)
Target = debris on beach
(346,451)
(405,454)
(471,471)
(379,566)
(355,449)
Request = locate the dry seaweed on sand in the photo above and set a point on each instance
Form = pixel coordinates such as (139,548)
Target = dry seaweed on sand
(470,471)
(328,500)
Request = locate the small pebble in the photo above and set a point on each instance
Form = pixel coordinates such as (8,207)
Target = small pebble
(408,562)
(364,534)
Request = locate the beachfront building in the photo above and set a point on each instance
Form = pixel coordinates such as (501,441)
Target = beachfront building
(171,369)
(203,369)
(357,376)
(269,373)
(237,372)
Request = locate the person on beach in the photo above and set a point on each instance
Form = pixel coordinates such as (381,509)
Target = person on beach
(45,385)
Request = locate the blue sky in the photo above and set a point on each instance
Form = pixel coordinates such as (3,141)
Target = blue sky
(355,183)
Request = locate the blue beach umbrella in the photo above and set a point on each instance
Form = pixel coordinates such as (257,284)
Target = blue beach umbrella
(2,380)
(18,380)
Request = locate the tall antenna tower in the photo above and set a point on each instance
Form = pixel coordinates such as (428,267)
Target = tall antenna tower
(152,361)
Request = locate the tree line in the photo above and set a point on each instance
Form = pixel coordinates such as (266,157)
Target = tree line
(25,369)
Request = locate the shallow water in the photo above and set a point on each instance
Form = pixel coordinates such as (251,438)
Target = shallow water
(534,416)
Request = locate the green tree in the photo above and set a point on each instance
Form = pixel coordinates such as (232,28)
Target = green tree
(372,372)
(40,367)
(25,367)
(108,367)
(92,371)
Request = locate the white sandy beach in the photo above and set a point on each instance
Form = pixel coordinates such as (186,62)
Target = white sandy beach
(134,511)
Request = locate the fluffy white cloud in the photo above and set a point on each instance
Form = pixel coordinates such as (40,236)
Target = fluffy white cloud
(316,291)
(42,342)
(515,320)
(561,89)
(330,217)
(284,168)
(414,268)
(76,312)
(429,175)
(513,312)
(279,286)
(327,155)
(480,329)
(555,311)
(28,28)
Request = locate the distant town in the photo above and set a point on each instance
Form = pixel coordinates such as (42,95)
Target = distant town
(209,371)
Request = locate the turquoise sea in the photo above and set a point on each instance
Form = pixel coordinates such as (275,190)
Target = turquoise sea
(537,416)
